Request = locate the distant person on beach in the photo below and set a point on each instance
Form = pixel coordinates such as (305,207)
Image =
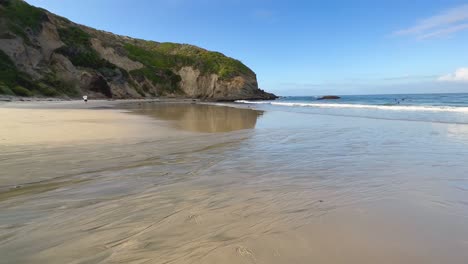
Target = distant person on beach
(85,98)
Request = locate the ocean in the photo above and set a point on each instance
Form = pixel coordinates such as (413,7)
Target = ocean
(446,108)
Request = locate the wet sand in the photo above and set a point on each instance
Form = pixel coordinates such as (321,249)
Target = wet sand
(190,183)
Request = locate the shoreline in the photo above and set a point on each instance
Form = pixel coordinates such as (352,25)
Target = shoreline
(7,99)
(77,102)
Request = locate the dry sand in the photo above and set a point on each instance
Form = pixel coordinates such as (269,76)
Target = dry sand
(61,122)
(46,126)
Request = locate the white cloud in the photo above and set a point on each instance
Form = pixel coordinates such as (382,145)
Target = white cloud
(444,32)
(460,75)
(445,23)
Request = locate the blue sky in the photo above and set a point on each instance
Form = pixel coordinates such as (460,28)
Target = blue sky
(305,47)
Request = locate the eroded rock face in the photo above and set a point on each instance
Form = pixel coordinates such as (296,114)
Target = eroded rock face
(48,40)
(25,57)
(82,60)
(110,55)
(63,67)
(212,87)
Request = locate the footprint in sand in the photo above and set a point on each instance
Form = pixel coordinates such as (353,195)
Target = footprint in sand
(194,218)
(245,252)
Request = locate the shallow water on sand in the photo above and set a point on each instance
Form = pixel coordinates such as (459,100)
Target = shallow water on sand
(243,186)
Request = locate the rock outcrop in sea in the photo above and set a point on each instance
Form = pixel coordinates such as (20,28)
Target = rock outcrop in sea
(329,97)
(42,54)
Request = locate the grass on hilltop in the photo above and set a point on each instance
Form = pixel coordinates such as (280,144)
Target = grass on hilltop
(174,56)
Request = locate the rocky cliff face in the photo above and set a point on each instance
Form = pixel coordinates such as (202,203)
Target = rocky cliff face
(42,54)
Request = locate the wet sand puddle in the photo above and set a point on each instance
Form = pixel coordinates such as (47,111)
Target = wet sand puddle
(282,192)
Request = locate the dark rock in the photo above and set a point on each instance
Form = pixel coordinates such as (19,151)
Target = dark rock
(329,97)
(99,84)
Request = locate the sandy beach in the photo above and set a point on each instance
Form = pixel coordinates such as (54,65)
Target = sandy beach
(157,182)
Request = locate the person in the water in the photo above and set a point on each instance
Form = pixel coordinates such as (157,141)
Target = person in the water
(85,98)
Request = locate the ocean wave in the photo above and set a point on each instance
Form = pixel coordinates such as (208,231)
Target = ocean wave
(413,108)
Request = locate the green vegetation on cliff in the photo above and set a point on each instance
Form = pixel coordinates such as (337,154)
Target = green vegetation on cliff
(78,49)
(15,82)
(12,80)
(161,60)
(23,14)
(8,72)
(165,79)
(22,17)
(174,56)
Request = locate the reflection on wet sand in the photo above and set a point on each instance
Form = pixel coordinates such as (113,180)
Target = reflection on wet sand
(202,117)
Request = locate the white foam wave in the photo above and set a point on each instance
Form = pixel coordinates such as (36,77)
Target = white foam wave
(253,102)
(413,108)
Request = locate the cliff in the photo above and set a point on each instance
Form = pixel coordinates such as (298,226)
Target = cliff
(42,54)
